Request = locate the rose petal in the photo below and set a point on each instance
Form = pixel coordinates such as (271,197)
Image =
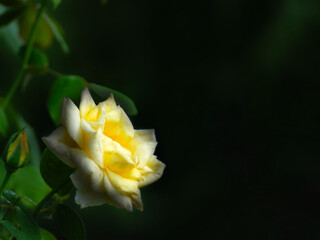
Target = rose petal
(86,127)
(137,201)
(147,176)
(70,119)
(143,145)
(57,143)
(122,184)
(115,197)
(99,124)
(89,168)
(80,181)
(109,104)
(115,156)
(86,102)
(90,198)
(96,147)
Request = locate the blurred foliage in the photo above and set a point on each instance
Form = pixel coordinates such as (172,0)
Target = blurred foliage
(44,34)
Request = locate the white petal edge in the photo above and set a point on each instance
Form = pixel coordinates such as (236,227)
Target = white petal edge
(96,147)
(148,177)
(89,168)
(86,102)
(144,144)
(115,197)
(90,198)
(70,119)
(55,144)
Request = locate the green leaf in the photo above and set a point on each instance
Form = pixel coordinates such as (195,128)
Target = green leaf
(55,172)
(57,31)
(38,62)
(125,102)
(10,196)
(70,223)
(46,235)
(65,86)
(28,182)
(10,15)
(3,122)
(4,237)
(10,36)
(28,225)
(43,34)
(55,3)
(13,230)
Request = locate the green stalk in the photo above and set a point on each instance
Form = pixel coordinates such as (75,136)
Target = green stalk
(26,57)
(48,196)
(5,181)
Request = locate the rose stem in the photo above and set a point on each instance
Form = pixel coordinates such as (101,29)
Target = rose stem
(26,57)
(5,181)
(48,196)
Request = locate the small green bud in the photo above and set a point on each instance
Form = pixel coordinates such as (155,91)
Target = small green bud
(16,153)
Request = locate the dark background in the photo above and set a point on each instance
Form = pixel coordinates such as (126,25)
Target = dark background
(232,90)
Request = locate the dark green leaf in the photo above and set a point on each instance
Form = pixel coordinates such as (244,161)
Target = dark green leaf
(10,196)
(28,225)
(46,235)
(65,86)
(3,122)
(10,15)
(38,62)
(13,230)
(57,31)
(125,102)
(70,223)
(55,172)
(2,213)
(4,237)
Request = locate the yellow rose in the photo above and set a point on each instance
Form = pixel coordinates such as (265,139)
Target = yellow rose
(112,159)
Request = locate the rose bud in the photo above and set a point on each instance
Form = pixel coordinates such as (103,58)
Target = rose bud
(16,153)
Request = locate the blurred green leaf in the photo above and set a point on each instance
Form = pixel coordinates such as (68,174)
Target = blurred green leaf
(28,182)
(66,86)
(10,196)
(3,122)
(29,227)
(125,102)
(10,37)
(46,235)
(57,31)
(49,167)
(38,62)
(37,57)
(4,237)
(10,15)
(70,223)
(55,3)
(2,213)
(13,230)
(43,36)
